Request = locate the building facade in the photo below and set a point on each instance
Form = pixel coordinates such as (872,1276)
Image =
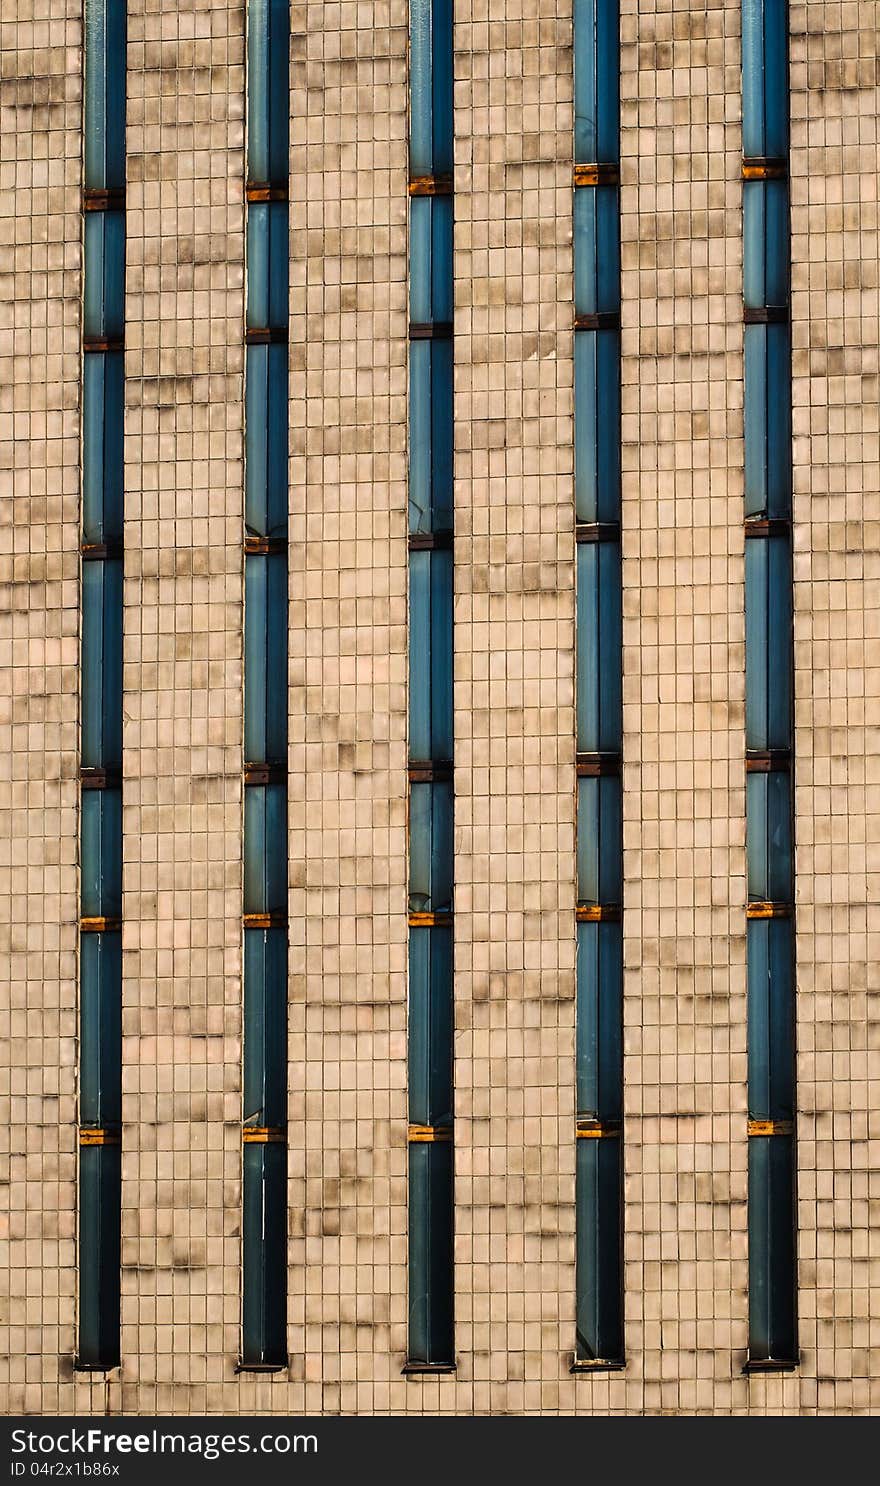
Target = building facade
(687,1066)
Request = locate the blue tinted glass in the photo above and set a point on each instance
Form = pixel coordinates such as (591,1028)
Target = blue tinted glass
(768,642)
(101,853)
(430,1330)
(264,1255)
(267,265)
(598,647)
(430,647)
(266,440)
(597,425)
(268,90)
(596,250)
(104,275)
(102,446)
(265,658)
(599,840)
(772,1269)
(101,663)
(265,1022)
(100,1067)
(265,849)
(430,847)
(430,259)
(771,1018)
(599,1020)
(430,1026)
(765,243)
(768,837)
(598,1265)
(100,1193)
(596,80)
(104,94)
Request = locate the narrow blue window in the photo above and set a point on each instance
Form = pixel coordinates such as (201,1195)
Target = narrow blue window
(268,31)
(599,864)
(431,1336)
(430,1043)
(430,857)
(765,78)
(770,945)
(266,440)
(768,642)
(598,647)
(767,420)
(104,275)
(765,244)
(770,938)
(100,1072)
(101,853)
(597,424)
(100,1187)
(430,83)
(265,1014)
(599,1340)
(598,1201)
(596,80)
(768,836)
(101,662)
(430,655)
(264,1254)
(430,469)
(264,906)
(772,1257)
(430,1344)
(103,386)
(104,94)
(101,538)
(599,1026)
(597,258)
(265,658)
(265,848)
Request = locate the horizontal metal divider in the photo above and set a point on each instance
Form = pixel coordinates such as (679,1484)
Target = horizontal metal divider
(422,1134)
(598,173)
(95,343)
(98,1135)
(265,335)
(598,913)
(771,314)
(597,765)
(436,330)
(103,198)
(599,320)
(263,1135)
(769,1127)
(434,541)
(431,185)
(257,191)
(764,168)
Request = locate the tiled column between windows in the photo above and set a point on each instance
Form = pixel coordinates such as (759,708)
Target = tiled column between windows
(182,817)
(40,372)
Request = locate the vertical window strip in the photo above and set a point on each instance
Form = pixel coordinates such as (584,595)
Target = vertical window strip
(101,532)
(770,941)
(599,1340)
(264,907)
(430,1340)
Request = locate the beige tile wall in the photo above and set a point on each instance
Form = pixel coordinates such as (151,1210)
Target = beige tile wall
(514,614)
(40,293)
